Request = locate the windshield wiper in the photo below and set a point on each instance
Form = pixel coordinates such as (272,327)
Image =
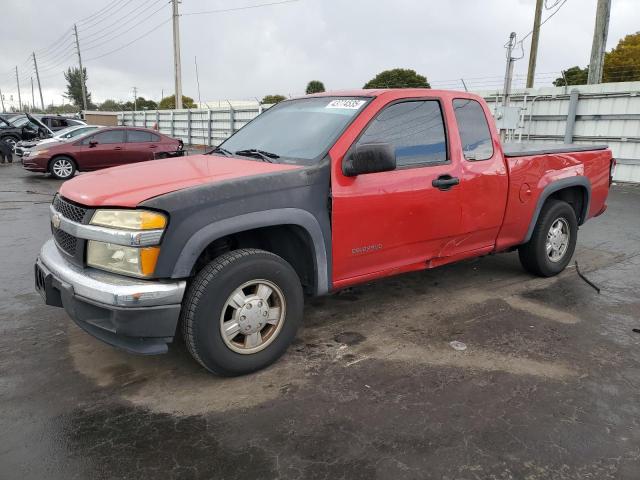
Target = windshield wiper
(254,152)
(224,151)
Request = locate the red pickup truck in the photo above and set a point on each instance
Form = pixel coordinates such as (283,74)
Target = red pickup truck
(316,194)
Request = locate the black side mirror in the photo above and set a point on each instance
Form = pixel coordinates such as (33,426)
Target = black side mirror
(93,143)
(369,158)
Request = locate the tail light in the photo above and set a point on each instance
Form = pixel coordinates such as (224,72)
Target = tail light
(612,170)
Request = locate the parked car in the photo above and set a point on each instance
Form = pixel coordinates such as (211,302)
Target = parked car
(22,127)
(23,147)
(314,195)
(109,147)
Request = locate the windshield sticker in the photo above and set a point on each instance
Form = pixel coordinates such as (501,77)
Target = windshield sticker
(346,103)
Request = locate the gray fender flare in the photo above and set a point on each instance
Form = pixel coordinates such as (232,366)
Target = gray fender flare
(553,187)
(266,218)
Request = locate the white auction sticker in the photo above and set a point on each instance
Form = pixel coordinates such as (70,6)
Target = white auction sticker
(346,103)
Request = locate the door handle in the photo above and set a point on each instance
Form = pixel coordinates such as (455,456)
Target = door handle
(117,148)
(153,146)
(445,182)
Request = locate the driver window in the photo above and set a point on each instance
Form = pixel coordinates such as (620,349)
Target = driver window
(415,130)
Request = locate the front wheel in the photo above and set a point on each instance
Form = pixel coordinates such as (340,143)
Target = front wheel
(62,168)
(242,311)
(553,241)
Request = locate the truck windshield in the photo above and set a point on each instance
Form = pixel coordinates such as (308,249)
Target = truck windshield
(296,131)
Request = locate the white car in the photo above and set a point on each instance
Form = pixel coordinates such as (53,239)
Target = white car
(23,147)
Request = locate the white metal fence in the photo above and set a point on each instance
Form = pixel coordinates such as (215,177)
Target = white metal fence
(608,113)
(194,127)
(594,114)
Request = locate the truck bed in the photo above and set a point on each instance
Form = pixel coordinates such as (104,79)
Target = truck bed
(528,149)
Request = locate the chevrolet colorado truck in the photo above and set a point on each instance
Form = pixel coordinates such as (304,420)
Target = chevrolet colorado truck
(314,195)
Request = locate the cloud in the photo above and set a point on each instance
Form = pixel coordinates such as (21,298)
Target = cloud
(278,49)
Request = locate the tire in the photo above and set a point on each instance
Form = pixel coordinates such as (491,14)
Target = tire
(535,255)
(62,168)
(211,305)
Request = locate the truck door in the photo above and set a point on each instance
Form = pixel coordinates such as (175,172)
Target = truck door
(389,222)
(484,182)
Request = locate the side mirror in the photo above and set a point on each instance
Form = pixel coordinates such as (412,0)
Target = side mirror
(93,143)
(370,158)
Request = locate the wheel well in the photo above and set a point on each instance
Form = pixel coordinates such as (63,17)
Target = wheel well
(291,242)
(58,156)
(576,197)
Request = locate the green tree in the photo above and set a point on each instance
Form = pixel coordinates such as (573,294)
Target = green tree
(169,103)
(622,64)
(572,76)
(315,86)
(74,86)
(143,104)
(110,106)
(398,78)
(269,99)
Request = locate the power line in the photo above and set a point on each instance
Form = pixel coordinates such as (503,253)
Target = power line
(246,7)
(118,21)
(116,34)
(129,43)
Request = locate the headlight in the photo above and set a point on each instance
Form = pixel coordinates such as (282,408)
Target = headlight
(127,259)
(139,262)
(129,219)
(38,152)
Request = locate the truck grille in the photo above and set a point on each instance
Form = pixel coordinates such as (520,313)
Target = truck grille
(69,210)
(66,242)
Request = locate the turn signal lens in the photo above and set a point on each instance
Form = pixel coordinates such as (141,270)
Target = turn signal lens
(129,219)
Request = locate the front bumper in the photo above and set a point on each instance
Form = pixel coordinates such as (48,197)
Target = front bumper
(34,164)
(139,316)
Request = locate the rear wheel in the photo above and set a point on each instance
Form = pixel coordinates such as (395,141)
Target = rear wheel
(242,311)
(62,168)
(553,241)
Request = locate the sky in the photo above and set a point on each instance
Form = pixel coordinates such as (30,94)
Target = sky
(277,49)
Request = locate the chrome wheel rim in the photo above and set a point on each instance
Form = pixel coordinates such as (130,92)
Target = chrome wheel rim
(62,168)
(557,240)
(252,316)
(11,142)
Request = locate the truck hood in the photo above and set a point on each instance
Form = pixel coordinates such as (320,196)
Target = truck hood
(129,185)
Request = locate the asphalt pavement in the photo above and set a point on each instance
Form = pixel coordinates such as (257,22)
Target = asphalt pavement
(548,386)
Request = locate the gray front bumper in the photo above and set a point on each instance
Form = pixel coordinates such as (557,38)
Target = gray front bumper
(139,316)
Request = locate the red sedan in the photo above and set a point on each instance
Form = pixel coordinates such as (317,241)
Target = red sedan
(106,147)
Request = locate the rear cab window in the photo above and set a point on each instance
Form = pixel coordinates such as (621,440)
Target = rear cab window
(475,135)
(414,128)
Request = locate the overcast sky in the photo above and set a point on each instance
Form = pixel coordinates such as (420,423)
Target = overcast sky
(278,49)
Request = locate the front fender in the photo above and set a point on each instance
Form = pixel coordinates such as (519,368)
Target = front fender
(266,218)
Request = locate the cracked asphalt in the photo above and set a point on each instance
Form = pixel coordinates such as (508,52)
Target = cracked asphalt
(548,387)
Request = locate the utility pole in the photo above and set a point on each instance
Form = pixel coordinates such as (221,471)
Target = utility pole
(599,45)
(2,99)
(508,75)
(135,99)
(533,54)
(18,83)
(176,54)
(33,98)
(35,64)
(84,88)
(198,81)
